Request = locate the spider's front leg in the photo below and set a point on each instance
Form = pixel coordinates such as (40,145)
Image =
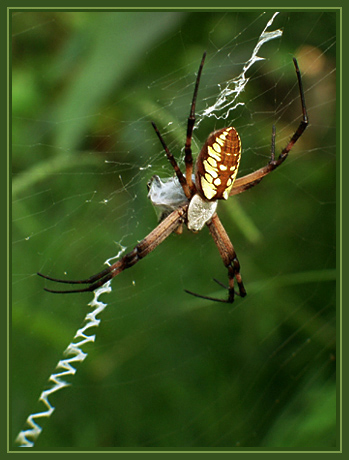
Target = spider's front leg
(142,249)
(230,260)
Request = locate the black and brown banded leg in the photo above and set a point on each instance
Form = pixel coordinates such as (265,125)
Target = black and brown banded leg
(188,159)
(230,260)
(229,257)
(250,180)
(141,250)
(174,164)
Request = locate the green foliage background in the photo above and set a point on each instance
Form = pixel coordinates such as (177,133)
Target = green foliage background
(168,370)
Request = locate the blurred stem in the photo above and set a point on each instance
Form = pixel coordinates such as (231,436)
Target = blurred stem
(313,276)
(164,120)
(244,223)
(55,165)
(292,279)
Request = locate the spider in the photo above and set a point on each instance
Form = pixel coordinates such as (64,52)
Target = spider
(192,200)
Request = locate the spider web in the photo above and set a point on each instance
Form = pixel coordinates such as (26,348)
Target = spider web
(168,370)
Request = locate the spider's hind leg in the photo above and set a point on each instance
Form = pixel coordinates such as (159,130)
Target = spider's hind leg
(186,180)
(174,164)
(188,159)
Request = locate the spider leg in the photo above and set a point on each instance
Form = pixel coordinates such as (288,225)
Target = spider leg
(230,260)
(143,248)
(246,184)
(250,180)
(187,181)
(188,159)
(174,163)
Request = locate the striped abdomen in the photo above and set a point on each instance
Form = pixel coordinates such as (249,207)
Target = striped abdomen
(217,164)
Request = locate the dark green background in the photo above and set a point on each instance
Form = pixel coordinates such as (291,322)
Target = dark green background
(168,370)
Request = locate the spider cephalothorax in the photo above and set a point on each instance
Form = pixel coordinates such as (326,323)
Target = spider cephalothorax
(192,200)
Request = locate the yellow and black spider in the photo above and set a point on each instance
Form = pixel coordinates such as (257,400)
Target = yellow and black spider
(192,201)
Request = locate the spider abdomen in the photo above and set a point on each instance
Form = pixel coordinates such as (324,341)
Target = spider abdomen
(217,164)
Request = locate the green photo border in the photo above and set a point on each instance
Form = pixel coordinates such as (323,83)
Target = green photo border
(5,169)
